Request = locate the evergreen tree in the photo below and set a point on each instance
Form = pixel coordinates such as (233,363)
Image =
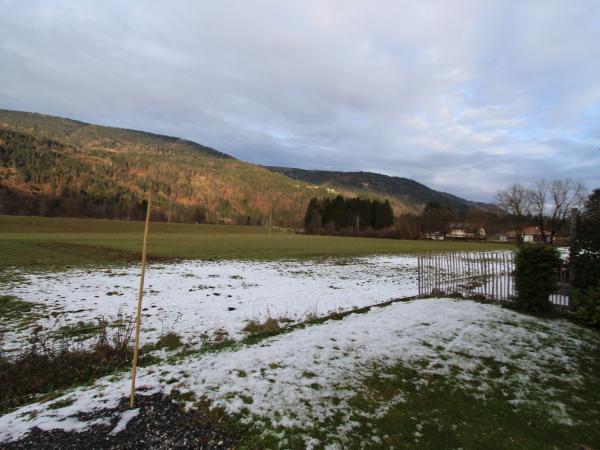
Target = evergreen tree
(342,214)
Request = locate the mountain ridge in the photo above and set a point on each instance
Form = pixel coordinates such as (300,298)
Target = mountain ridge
(51,165)
(414,192)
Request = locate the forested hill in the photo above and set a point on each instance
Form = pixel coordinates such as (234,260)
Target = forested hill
(79,133)
(402,190)
(60,167)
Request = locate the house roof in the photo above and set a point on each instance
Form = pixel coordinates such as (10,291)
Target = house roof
(465,226)
(534,231)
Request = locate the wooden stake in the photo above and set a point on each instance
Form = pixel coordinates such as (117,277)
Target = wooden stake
(454,272)
(270,222)
(494,277)
(419,275)
(482,271)
(169,219)
(138,318)
(448,269)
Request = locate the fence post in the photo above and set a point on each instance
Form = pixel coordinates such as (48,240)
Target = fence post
(419,274)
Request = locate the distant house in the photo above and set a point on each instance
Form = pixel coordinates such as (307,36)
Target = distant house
(435,236)
(530,234)
(501,237)
(465,231)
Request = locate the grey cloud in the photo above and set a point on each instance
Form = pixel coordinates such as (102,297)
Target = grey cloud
(465,96)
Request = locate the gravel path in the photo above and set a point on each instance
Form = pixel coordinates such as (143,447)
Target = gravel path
(160,424)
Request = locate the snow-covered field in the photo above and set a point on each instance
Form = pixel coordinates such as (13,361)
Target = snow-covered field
(304,378)
(292,380)
(195,297)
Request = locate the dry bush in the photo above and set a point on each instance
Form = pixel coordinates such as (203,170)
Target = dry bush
(47,366)
(269,325)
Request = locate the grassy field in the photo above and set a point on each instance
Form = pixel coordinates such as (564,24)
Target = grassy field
(455,374)
(41,242)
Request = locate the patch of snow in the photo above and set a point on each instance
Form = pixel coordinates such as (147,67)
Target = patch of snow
(124,420)
(196,297)
(292,378)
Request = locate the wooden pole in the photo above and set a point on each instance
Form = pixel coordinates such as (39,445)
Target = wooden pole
(494,275)
(453,264)
(169,220)
(448,273)
(502,277)
(419,275)
(463,270)
(270,222)
(485,275)
(426,274)
(138,318)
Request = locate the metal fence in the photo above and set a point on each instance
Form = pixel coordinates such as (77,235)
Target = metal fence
(487,275)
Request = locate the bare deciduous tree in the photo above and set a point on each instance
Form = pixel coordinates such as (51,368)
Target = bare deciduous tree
(516,201)
(538,204)
(549,202)
(564,196)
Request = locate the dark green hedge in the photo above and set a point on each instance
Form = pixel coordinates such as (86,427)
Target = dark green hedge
(585,261)
(587,304)
(535,277)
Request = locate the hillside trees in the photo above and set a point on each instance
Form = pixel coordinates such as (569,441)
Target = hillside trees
(63,185)
(95,175)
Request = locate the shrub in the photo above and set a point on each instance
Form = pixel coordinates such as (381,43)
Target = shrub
(585,261)
(45,368)
(37,373)
(270,325)
(170,341)
(535,277)
(587,304)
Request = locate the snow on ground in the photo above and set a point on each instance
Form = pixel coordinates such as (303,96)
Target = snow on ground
(196,297)
(291,380)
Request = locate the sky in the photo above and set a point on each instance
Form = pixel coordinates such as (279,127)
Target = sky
(463,96)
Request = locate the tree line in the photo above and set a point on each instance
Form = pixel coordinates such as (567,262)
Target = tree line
(341,214)
(548,204)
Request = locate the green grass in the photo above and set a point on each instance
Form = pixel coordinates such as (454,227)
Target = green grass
(436,412)
(47,243)
(403,407)
(16,314)
(11,308)
(62,403)
(77,331)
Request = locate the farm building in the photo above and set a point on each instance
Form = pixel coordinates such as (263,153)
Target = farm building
(458,231)
(530,234)
(465,231)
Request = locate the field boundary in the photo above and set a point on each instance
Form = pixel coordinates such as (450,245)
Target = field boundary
(483,275)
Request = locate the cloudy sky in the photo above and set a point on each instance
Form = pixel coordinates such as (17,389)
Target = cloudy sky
(464,96)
